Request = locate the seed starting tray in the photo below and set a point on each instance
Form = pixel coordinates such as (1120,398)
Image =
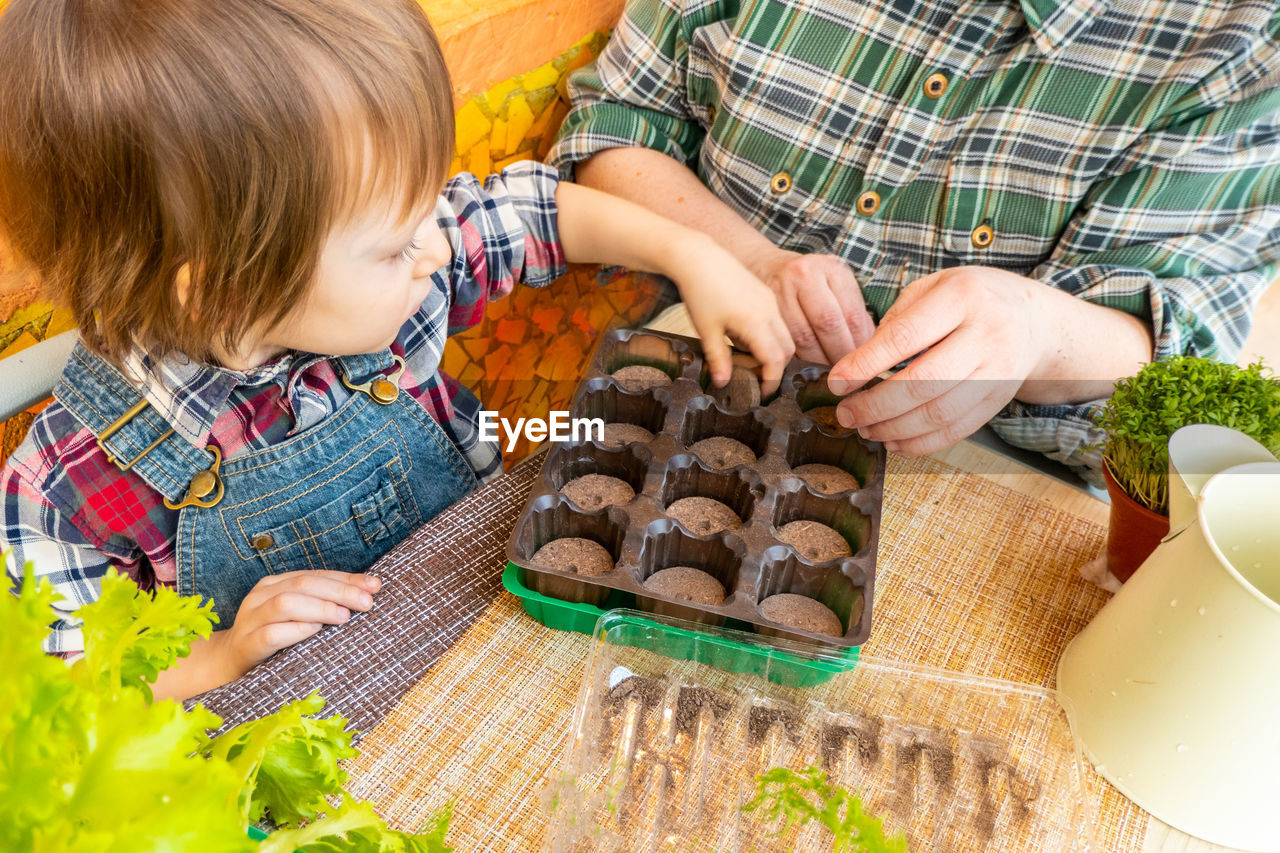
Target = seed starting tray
(749,561)
(666,747)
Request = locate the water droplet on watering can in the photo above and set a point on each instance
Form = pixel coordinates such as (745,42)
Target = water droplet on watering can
(1173,603)
(1201,611)
(1235,547)
(1182,747)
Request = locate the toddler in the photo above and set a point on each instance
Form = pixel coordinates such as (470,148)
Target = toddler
(244,205)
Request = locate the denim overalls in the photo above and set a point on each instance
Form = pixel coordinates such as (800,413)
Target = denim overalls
(338,495)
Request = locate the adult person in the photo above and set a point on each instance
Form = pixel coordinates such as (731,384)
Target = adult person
(1030,197)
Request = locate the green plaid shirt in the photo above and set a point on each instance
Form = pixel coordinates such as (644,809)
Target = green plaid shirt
(1127,152)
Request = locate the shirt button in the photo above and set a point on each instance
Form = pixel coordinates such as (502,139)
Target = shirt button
(781,183)
(263,541)
(982,236)
(935,85)
(868,203)
(711,116)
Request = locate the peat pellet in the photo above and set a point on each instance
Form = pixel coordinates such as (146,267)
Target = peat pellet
(800,611)
(816,542)
(741,392)
(619,434)
(595,491)
(640,377)
(576,555)
(825,417)
(827,479)
(703,516)
(686,584)
(720,452)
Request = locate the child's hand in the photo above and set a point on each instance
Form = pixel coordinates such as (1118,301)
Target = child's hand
(285,609)
(723,297)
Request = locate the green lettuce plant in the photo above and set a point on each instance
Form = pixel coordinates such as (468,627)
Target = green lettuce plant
(89,762)
(1144,410)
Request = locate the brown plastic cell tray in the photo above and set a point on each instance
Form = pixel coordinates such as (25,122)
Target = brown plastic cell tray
(749,561)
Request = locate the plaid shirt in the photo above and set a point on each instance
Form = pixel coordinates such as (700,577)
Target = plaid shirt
(1124,151)
(74,514)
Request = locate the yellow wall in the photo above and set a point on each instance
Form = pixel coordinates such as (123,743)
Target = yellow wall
(531,348)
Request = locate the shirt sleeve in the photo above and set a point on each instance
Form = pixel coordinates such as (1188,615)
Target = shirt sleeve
(502,232)
(35,530)
(635,94)
(1183,233)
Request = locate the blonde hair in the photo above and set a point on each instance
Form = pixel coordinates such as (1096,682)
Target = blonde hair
(227,136)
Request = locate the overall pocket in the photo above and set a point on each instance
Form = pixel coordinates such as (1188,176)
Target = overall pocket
(347,533)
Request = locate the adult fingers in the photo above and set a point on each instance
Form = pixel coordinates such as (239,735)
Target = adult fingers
(909,333)
(926,379)
(785,286)
(951,408)
(825,317)
(978,413)
(853,307)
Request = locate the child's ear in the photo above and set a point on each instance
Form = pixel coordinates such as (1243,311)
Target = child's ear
(182,284)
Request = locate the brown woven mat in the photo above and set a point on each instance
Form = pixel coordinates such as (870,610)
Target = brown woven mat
(435,585)
(973,577)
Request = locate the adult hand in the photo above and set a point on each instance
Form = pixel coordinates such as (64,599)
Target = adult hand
(977,333)
(820,302)
(284,609)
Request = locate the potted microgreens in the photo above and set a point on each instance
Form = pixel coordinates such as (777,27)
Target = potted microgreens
(1141,415)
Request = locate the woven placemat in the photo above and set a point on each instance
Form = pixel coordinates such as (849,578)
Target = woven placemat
(435,585)
(972,577)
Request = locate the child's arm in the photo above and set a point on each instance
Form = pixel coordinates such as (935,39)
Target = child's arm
(722,295)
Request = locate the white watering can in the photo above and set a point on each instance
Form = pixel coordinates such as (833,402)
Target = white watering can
(1175,684)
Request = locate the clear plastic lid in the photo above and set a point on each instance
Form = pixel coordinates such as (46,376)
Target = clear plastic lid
(675,723)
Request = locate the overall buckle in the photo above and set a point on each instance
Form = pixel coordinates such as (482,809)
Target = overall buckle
(382,389)
(202,485)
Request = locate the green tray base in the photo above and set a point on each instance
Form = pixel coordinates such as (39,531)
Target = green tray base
(756,658)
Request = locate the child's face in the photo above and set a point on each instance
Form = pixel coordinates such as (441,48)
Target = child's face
(373,274)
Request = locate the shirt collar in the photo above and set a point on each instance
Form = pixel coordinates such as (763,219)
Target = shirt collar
(1054,23)
(191,395)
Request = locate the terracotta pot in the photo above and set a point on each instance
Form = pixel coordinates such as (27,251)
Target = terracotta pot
(1134,532)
